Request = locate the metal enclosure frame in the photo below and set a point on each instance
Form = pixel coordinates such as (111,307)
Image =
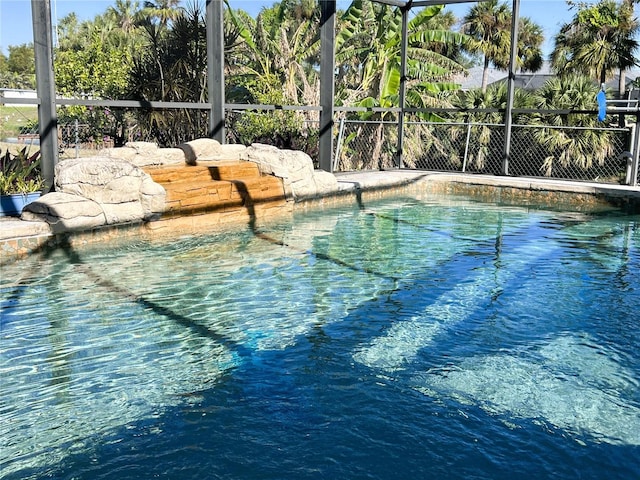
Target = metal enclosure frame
(47,102)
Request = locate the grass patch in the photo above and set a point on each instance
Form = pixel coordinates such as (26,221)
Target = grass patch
(14,148)
(14,118)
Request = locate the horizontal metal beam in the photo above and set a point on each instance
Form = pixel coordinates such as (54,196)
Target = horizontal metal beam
(428,3)
(131,104)
(424,3)
(154,105)
(623,111)
(245,106)
(21,101)
(394,3)
(367,109)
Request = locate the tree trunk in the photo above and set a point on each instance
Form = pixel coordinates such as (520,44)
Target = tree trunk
(485,74)
(622,87)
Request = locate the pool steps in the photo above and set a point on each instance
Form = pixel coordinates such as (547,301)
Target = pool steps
(216,186)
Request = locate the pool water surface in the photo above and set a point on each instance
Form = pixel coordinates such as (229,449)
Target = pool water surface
(432,337)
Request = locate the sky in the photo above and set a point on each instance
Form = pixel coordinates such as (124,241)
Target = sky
(15,15)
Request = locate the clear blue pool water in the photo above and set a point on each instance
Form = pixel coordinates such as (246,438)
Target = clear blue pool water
(411,338)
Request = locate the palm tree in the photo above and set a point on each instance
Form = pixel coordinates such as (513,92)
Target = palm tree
(489,26)
(125,13)
(530,38)
(122,23)
(600,40)
(69,34)
(446,21)
(170,69)
(564,147)
(486,132)
(369,68)
(282,42)
(162,11)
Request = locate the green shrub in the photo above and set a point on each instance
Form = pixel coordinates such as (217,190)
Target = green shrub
(20,173)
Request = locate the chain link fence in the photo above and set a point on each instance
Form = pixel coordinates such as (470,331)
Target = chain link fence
(19,129)
(104,127)
(101,127)
(572,153)
(365,145)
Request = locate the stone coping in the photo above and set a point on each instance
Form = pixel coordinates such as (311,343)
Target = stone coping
(19,238)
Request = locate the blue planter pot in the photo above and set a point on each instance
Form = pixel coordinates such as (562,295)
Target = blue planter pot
(12,205)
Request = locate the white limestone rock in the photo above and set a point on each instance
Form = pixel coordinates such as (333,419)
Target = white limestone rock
(96,191)
(300,179)
(143,154)
(201,149)
(171,156)
(326,183)
(232,151)
(101,179)
(65,212)
(143,148)
(152,199)
(116,213)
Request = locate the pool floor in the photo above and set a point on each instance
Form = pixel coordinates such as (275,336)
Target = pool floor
(429,337)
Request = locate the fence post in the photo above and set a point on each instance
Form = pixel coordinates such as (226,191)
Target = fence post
(403,83)
(77,140)
(508,120)
(635,151)
(215,68)
(336,159)
(466,145)
(327,82)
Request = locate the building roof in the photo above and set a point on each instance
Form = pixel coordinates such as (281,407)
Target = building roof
(531,81)
(473,79)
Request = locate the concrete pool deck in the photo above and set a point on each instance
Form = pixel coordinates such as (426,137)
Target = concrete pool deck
(18,237)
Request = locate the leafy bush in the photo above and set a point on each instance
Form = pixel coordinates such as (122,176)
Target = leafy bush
(285,129)
(20,173)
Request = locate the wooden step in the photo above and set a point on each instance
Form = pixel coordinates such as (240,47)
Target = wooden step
(166,175)
(221,170)
(216,186)
(232,170)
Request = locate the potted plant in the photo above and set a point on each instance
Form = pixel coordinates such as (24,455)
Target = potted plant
(21,180)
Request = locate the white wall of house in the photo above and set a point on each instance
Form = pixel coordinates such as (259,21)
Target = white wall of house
(19,94)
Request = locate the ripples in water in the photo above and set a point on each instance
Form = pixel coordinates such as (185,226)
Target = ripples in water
(456,336)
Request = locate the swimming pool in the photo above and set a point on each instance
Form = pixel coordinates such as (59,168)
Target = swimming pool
(430,337)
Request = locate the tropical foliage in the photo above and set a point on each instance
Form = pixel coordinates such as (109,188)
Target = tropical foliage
(20,173)
(551,144)
(570,147)
(156,50)
(369,72)
(600,40)
(488,24)
(281,44)
(274,62)
(484,138)
(18,69)
(93,65)
(169,68)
